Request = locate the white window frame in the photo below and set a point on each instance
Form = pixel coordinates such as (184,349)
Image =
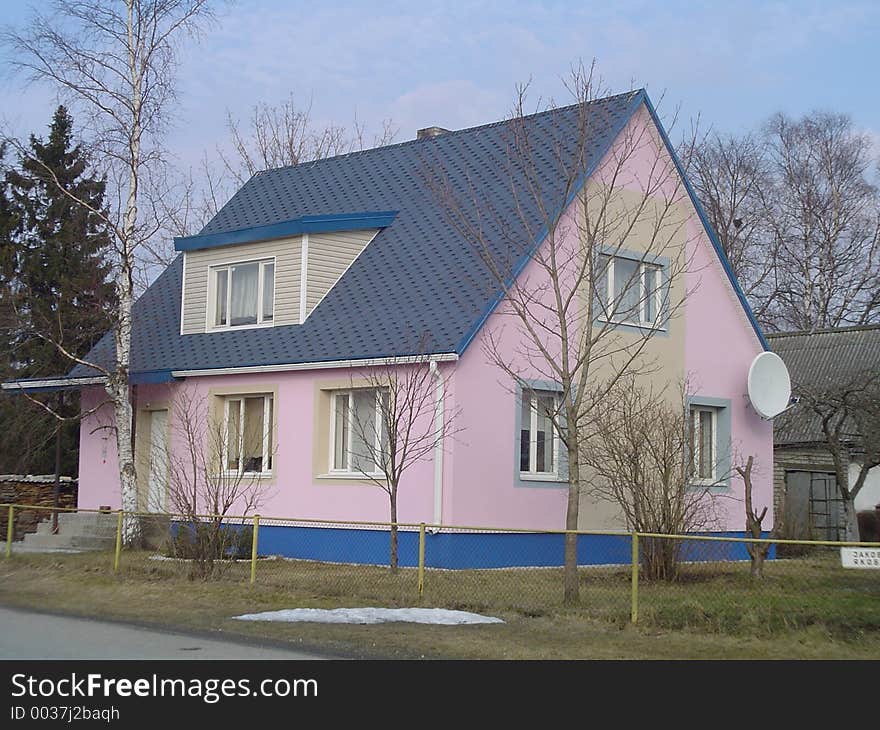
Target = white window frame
(347,471)
(268,428)
(228,266)
(552,476)
(695,411)
(610,294)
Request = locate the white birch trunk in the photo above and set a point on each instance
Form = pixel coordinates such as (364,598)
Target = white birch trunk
(119,385)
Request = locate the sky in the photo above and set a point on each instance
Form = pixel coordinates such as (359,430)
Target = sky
(457,64)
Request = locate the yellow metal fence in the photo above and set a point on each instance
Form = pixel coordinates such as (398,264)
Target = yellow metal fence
(622,577)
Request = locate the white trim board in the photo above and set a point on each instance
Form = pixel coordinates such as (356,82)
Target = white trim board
(303,277)
(55,383)
(321,365)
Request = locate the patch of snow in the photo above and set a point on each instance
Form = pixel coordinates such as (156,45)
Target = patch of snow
(442,616)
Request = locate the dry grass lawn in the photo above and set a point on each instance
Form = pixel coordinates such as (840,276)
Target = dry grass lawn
(808,608)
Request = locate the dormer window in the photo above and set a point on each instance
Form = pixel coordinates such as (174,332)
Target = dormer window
(243,294)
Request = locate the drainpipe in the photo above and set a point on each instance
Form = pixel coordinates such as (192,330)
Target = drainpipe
(438,447)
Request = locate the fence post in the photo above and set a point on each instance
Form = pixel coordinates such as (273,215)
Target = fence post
(421,560)
(634,615)
(254,548)
(119,518)
(10,530)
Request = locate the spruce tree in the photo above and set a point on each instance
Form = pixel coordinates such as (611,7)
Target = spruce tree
(56,276)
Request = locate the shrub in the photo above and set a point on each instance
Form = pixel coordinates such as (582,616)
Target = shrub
(207,543)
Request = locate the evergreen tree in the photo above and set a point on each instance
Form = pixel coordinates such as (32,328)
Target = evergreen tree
(55,276)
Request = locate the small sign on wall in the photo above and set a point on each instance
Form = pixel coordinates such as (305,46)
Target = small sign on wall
(851,557)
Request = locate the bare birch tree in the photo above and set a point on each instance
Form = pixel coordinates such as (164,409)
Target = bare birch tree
(731,176)
(399,416)
(272,136)
(115,61)
(797,212)
(583,313)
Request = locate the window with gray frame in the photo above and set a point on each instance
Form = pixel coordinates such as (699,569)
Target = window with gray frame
(538,441)
(630,290)
(709,436)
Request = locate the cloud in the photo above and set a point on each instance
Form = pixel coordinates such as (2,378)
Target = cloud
(451,104)
(457,64)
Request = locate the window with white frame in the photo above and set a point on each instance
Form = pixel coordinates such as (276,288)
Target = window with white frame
(243,294)
(358,436)
(629,291)
(704,443)
(248,423)
(538,442)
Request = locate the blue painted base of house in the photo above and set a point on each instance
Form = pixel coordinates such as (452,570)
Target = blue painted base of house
(469,550)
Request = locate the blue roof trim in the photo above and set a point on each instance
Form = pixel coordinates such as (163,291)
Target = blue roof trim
(576,188)
(293,227)
(640,96)
(704,219)
(150,377)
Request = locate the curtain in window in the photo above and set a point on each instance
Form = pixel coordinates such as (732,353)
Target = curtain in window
(268,292)
(364,435)
(233,434)
(544,456)
(245,285)
(652,283)
(627,289)
(600,299)
(253,434)
(525,433)
(340,448)
(220,308)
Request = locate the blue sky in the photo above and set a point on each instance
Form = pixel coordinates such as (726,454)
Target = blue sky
(457,64)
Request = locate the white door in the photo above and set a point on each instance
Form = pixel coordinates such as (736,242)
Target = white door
(157,495)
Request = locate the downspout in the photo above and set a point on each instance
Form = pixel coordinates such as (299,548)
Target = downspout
(438,447)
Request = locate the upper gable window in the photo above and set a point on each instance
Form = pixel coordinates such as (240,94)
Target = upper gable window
(243,294)
(630,291)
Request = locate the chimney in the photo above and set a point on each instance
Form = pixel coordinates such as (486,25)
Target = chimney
(429,132)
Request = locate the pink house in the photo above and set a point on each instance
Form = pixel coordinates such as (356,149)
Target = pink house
(312,275)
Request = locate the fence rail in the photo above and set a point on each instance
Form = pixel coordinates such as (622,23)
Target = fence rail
(673,580)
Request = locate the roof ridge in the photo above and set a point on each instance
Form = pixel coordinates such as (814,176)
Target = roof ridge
(825,331)
(445,135)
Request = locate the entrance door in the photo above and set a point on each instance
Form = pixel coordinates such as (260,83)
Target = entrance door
(157,493)
(813,508)
(825,506)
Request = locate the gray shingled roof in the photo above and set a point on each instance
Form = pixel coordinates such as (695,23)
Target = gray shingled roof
(817,360)
(418,280)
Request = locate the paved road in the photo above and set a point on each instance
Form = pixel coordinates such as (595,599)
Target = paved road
(26,635)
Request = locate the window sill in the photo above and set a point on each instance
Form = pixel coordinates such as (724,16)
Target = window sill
(530,477)
(350,475)
(713,485)
(634,325)
(236,328)
(246,475)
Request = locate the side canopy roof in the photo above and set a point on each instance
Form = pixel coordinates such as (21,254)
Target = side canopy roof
(821,361)
(417,282)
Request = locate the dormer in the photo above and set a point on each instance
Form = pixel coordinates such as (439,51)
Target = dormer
(272,275)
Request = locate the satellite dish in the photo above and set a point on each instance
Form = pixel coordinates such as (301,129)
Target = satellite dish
(769,385)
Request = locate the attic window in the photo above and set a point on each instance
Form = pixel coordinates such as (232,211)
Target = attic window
(630,291)
(243,294)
